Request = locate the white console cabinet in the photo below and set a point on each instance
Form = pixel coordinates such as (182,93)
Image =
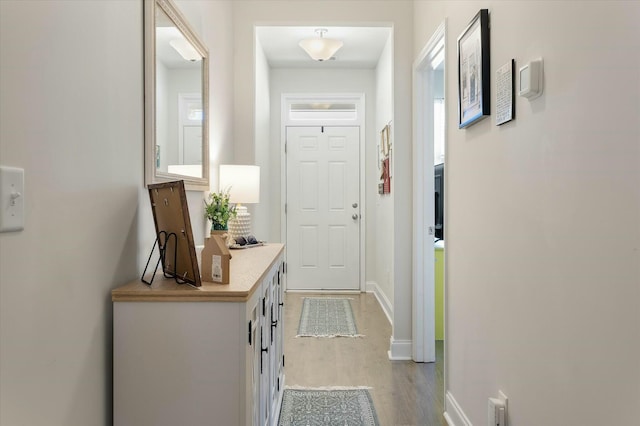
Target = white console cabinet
(211,355)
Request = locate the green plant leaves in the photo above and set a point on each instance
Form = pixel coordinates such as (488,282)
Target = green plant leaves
(218,210)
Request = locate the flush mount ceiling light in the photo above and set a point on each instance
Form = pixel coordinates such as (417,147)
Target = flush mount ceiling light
(185,49)
(320,48)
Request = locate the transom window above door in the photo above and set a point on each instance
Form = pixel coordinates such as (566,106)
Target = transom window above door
(322,111)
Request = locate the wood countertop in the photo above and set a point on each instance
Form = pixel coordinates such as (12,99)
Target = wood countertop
(247,268)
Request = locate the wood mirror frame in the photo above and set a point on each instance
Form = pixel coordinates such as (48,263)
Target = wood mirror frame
(153,171)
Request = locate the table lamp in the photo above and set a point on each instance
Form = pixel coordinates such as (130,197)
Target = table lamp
(243,183)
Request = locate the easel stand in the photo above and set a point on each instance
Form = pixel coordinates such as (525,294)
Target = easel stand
(163,239)
(173,234)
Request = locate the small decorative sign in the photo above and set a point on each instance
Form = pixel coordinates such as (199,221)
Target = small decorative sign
(215,260)
(505,85)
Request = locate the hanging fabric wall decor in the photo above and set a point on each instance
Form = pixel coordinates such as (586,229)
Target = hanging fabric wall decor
(384,160)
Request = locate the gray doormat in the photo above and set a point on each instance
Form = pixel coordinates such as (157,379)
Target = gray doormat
(337,406)
(327,317)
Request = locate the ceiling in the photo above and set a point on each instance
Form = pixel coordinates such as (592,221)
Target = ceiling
(362,46)
(166,54)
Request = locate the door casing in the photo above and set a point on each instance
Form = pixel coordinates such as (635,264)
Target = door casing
(359,100)
(423,317)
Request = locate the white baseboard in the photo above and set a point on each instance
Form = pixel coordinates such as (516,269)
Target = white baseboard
(383,301)
(453,413)
(400,350)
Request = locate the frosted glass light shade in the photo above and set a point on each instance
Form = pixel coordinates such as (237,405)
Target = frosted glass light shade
(243,183)
(320,48)
(185,49)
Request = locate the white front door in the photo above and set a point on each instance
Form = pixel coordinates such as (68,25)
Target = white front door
(190,128)
(323,211)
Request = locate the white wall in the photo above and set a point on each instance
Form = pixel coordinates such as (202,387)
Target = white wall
(71,115)
(402,179)
(213,21)
(261,212)
(383,238)
(398,14)
(300,80)
(318,81)
(543,228)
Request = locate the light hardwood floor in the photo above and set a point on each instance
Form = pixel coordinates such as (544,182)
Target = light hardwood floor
(403,392)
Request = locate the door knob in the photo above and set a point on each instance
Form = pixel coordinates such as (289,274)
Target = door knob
(354,205)
(354,216)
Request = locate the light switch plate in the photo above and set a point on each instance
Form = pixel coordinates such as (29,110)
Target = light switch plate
(11,199)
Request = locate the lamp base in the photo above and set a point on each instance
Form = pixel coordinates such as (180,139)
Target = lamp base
(241,225)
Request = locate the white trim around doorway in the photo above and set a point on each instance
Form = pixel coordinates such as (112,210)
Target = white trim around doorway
(358,99)
(423,252)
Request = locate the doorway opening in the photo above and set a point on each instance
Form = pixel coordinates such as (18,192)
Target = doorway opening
(322,225)
(429,213)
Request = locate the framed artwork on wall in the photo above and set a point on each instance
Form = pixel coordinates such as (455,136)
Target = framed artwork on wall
(384,160)
(474,78)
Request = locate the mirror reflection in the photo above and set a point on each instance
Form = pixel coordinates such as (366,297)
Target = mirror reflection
(179,108)
(176,93)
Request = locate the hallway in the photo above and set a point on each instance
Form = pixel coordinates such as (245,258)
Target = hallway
(404,392)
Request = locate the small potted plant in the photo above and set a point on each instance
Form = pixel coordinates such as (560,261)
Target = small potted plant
(219,211)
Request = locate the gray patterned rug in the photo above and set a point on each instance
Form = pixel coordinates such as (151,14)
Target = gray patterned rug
(327,406)
(327,317)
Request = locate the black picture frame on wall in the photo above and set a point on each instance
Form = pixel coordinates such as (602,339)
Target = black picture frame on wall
(474,75)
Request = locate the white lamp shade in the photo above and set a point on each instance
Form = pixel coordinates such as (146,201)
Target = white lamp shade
(319,48)
(243,183)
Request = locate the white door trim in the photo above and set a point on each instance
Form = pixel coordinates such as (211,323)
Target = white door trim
(359,100)
(424,333)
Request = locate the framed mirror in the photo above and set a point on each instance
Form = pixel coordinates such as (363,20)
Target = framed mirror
(176,88)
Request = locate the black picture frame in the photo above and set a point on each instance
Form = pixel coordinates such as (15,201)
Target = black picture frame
(474,71)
